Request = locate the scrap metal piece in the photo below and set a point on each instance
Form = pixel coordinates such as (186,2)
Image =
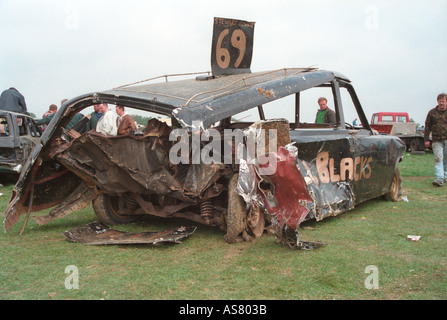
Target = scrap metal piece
(310,245)
(291,238)
(96,233)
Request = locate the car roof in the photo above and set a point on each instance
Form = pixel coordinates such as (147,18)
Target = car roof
(3,112)
(205,100)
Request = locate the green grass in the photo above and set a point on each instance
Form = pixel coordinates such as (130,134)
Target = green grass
(32,266)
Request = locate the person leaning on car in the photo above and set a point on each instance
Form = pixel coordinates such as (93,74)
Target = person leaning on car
(436,124)
(324,114)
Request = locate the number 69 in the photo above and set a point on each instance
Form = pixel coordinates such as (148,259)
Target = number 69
(238,41)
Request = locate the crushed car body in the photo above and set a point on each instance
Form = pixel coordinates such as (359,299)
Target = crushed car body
(325,170)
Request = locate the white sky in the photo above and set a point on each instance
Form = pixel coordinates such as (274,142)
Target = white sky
(395,52)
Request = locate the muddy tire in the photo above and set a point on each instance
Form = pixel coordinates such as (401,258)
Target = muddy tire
(107,209)
(395,191)
(237,213)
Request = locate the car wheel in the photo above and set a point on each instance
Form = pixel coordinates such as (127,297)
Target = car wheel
(109,210)
(237,212)
(395,191)
(413,145)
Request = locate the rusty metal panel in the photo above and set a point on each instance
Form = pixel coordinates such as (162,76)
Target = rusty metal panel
(96,233)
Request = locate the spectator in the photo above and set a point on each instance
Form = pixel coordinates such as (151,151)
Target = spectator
(436,124)
(324,114)
(13,100)
(94,117)
(125,123)
(51,111)
(107,124)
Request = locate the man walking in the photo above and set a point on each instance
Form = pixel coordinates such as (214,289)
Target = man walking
(436,124)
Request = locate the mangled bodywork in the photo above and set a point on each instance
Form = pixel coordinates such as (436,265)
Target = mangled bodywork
(319,171)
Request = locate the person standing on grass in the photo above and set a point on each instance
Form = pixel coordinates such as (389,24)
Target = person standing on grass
(436,124)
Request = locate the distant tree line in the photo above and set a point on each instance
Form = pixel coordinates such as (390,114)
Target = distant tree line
(140,119)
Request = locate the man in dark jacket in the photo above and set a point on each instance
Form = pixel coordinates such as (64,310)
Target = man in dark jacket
(13,100)
(94,118)
(324,114)
(436,124)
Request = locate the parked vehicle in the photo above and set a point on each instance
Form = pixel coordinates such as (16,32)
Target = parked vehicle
(398,124)
(209,166)
(18,136)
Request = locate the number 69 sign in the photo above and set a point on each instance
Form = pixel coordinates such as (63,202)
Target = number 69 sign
(232,46)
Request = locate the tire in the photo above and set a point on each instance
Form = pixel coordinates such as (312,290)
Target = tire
(106,208)
(414,145)
(395,191)
(237,213)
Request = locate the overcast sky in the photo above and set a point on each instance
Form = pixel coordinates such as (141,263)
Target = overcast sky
(395,52)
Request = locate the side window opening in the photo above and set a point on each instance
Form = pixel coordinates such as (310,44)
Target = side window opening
(285,108)
(309,115)
(4,127)
(401,119)
(386,118)
(375,119)
(34,129)
(22,126)
(352,119)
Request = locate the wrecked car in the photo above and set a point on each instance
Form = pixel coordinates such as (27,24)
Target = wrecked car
(239,151)
(18,136)
(321,170)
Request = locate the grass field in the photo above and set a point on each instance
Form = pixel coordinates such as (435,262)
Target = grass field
(32,266)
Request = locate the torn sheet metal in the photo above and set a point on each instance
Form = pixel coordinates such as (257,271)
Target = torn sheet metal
(288,202)
(286,197)
(96,233)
